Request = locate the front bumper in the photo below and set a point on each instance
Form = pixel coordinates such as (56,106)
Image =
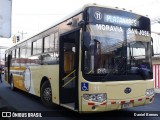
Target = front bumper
(109,105)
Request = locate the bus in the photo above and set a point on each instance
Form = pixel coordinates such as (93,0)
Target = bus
(96,59)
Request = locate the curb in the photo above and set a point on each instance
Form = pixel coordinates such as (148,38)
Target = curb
(157,90)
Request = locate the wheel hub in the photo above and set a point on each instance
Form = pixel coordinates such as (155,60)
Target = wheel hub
(47,94)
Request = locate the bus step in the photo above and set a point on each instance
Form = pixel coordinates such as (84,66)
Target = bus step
(69,105)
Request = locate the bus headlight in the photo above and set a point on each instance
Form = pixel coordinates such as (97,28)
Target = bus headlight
(149,92)
(95,97)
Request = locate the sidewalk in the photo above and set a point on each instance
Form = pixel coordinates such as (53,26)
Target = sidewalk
(157,90)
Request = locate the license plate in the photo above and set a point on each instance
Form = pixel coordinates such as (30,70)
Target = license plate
(125,105)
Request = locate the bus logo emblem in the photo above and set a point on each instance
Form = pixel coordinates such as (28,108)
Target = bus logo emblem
(127,90)
(84,86)
(98,15)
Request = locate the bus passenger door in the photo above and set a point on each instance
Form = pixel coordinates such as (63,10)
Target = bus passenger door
(68,72)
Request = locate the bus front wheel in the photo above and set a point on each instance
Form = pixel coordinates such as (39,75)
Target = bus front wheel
(46,94)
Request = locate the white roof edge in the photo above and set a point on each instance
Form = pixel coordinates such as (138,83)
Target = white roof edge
(111,7)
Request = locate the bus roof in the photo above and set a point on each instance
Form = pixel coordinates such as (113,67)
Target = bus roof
(71,15)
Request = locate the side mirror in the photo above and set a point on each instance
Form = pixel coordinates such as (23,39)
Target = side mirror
(86,39)
(81,23)
(74,49)
(152,47)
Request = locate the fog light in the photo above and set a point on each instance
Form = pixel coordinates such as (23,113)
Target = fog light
(151,100)
(99,97)
(150,92)
(93,107)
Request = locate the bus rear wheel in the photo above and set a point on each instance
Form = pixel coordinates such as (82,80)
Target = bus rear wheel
(46,94)
(12,83)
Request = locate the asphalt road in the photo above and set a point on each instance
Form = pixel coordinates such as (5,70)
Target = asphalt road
(19,101)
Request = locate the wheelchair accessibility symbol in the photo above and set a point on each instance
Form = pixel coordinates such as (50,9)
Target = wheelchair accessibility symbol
(84,86)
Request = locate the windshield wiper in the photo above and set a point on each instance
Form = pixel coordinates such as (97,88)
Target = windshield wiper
(144,72)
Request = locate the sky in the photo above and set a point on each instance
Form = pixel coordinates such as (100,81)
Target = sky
(33,16)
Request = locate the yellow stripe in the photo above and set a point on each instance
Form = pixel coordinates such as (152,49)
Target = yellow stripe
(89,72)
(69,74)
(69,81)
(17,68)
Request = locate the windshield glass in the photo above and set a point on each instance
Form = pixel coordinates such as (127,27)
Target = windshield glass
(114,50)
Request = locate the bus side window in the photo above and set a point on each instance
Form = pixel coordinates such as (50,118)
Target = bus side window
(68,60)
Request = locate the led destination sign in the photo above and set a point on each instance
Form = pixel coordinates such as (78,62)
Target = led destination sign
(107,16)
(112,28)
(120,20)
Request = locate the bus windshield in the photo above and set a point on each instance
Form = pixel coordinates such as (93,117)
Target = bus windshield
(115,50)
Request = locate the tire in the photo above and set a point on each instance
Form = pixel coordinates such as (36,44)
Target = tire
(46,94)
(12,84)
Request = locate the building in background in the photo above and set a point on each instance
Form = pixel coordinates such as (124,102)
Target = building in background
(156,60)
(2,55)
